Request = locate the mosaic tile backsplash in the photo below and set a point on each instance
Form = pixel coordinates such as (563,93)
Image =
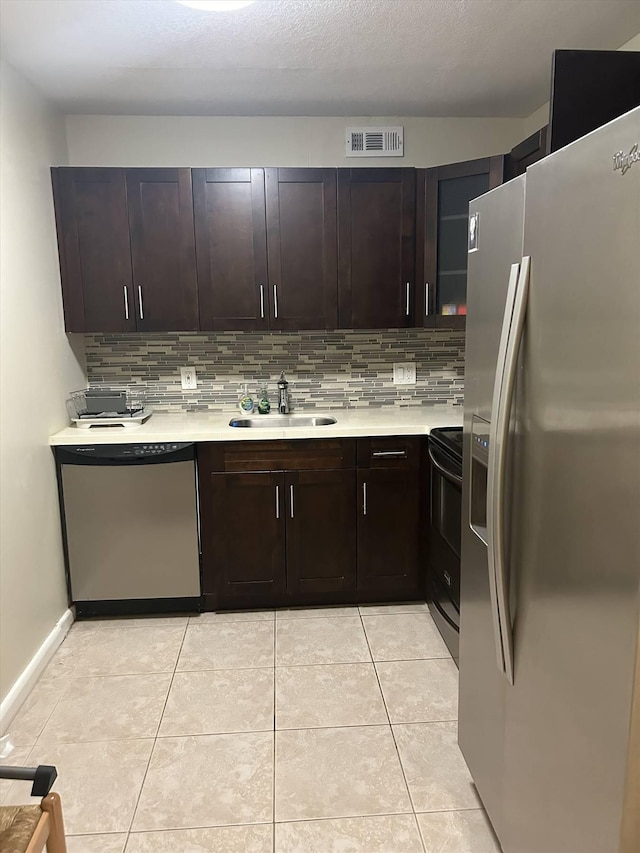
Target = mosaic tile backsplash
(325,370)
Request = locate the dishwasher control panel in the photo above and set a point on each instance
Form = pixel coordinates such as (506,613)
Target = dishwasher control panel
(153,449)
(126,454)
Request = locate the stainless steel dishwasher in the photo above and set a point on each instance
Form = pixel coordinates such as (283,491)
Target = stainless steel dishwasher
(130,527)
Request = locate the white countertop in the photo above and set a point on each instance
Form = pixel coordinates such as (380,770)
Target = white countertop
(214,426)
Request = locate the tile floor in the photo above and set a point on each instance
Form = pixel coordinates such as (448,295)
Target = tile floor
(307,731)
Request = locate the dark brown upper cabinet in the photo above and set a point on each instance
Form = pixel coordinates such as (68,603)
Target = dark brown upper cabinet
(127,254)
(302,248)
(588,89)
(160,206)
(442,220)
(376,248)
(231,248)
(525,154)
(95,250)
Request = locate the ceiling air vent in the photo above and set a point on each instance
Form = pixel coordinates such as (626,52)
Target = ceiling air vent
(375,141)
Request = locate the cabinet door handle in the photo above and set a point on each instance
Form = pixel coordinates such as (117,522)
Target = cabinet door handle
(390,454)
(408,299)
(291,498)
(426,299)
(140,302)
(262,302)
(275,301)
(364,498)
(277,501)
(126,302)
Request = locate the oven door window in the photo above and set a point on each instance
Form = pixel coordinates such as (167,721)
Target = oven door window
(446,510)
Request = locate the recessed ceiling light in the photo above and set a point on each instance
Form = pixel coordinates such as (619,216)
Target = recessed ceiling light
(216,5)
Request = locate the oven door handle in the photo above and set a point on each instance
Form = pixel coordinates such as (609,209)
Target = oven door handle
(448,475)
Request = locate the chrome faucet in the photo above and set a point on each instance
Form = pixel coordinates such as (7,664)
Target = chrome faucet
(283,395)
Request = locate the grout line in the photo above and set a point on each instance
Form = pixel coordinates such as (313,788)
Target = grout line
(273,746)
(478,808)
(420,835)
(155,739)
(395,743)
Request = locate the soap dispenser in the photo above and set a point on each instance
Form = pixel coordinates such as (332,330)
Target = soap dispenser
(264,406)
(246,402)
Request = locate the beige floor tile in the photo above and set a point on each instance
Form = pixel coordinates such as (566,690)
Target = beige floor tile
(212,702)
(222,839)
(383,834)
(227,645)
(26,726)
(315,612)
(109,707)
(211,780)
(393,609)
(113,843)
(211,618)
(98,783)
(419,691)
(64,661)
(457,832)
(128,651)
(130,622)
(404,637)
(342,772)
(16,758)
(330,640)
(435,770)
(329,695)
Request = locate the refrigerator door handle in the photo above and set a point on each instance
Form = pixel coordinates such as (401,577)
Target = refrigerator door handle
(510,339)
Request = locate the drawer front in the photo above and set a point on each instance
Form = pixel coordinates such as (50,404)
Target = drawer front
(389,452)
(300,455)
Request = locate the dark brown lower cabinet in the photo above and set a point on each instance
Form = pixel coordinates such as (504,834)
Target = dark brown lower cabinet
(389,532)
(288,523)
(389,515)
(244,539)
(321,536)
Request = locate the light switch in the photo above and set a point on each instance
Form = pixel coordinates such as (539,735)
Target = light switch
(404,374)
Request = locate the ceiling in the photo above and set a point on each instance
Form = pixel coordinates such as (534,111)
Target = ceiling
(304,57)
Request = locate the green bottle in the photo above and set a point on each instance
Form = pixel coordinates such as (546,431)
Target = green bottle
(264,406)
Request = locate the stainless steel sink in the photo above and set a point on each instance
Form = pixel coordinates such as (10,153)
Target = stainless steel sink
(282,421)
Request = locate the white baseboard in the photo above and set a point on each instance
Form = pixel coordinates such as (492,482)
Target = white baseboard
(26,681)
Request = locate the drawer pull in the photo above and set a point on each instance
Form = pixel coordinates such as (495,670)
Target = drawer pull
(364,498)
(291,499)
(277,501)
(389,454)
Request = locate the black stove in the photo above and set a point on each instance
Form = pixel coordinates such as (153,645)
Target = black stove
(450,439)
(443,589)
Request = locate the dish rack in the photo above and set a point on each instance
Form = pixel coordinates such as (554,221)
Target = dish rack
(99,407)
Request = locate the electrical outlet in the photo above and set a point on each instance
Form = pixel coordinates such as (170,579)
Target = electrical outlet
(188,378)
(404,374)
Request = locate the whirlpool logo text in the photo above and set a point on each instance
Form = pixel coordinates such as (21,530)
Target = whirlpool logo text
(623,162)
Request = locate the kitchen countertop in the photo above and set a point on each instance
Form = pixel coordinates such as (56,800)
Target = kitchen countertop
(214,426)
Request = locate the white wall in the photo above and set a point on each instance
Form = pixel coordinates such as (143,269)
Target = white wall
(275,141)
(37,370)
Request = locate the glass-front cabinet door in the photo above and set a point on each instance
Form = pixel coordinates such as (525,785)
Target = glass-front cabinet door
(443,224)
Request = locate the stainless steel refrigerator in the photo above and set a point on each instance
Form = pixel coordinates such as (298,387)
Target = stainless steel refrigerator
(550,585)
